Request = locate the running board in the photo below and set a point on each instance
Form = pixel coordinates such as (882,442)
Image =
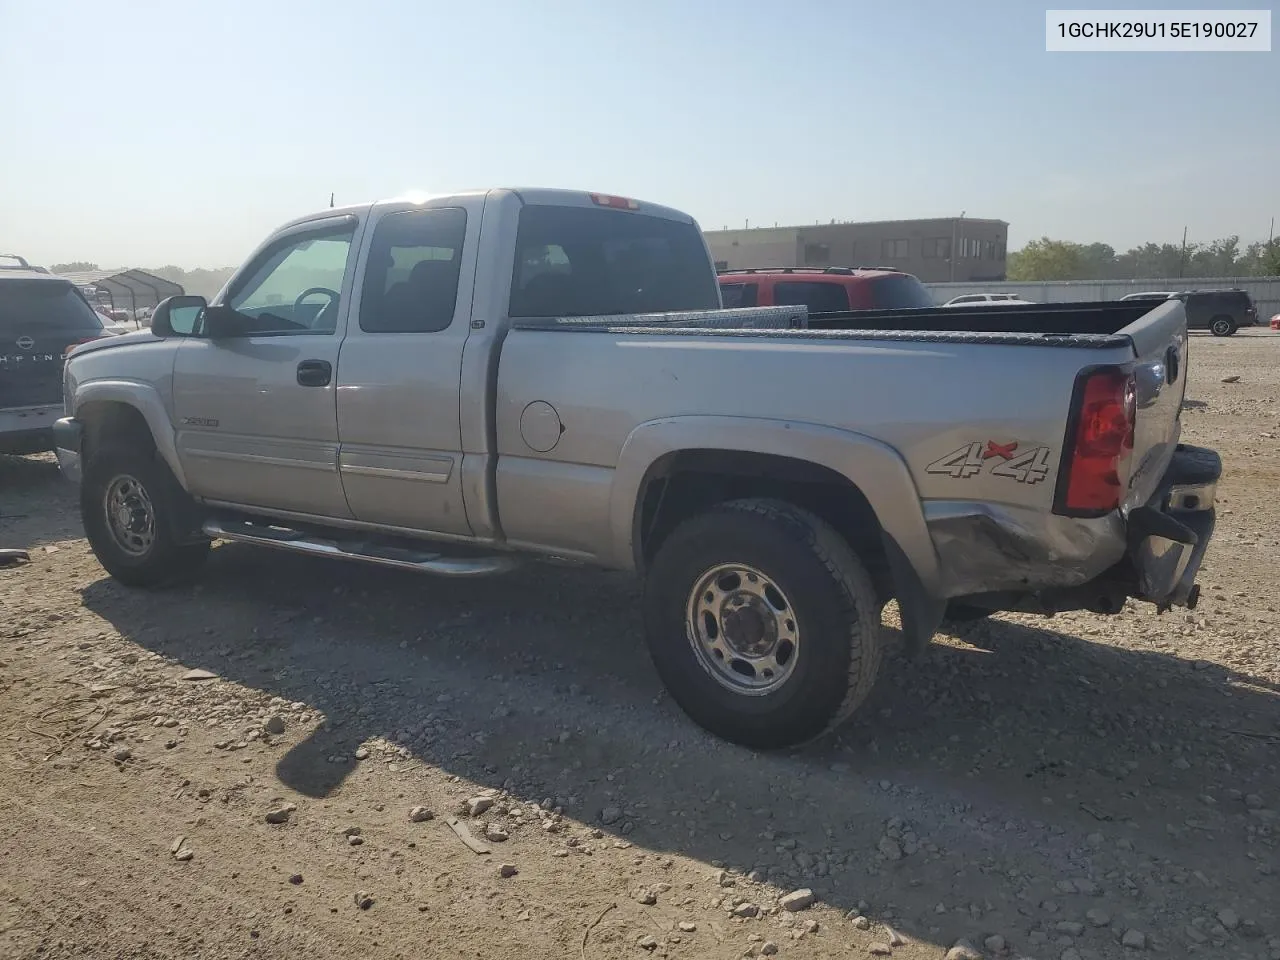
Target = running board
(387,555)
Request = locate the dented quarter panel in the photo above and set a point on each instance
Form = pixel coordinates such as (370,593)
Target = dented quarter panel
(985,547)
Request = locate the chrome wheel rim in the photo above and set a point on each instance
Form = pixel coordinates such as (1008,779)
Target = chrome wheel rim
(131,517)
(1220,327)
(742,629)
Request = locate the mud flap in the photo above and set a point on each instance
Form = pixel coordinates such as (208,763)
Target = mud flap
(921,613)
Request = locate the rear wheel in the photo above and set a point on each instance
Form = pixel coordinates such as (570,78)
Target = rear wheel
(1222,326)
(132,507)
(763,623)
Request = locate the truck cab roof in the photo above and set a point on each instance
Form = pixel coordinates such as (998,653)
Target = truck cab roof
(533,196)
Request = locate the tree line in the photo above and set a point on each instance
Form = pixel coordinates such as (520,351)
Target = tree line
(1047,259)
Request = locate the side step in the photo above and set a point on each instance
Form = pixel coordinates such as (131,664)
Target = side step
(368,551)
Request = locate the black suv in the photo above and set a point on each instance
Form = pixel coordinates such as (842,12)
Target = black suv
(1221,312)
(41,317)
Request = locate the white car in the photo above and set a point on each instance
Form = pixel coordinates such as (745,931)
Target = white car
(986,299)
(110,325)
(1153,295)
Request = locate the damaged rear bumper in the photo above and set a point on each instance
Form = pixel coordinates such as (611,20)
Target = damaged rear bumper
(1003,558)
(1167,537)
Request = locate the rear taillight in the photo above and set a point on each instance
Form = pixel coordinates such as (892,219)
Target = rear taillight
(66,351)
(1099,444)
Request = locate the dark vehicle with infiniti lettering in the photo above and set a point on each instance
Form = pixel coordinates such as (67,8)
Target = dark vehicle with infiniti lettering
(41,316)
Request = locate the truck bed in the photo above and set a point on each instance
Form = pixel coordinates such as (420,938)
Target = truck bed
(1098,325)
(890,379)
(1046,319)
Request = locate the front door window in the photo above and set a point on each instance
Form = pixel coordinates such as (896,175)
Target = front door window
(295,287)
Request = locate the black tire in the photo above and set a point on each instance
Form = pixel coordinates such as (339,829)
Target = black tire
(963,613)
(1222,326)
(836,622)
(170,556)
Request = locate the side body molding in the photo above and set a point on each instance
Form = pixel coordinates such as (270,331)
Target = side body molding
(144,398)
(874,467)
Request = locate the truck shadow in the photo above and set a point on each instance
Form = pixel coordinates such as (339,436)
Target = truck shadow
(1007,743)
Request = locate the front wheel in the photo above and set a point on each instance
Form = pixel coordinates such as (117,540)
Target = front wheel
(763,623)
(1222,326)
(132,511)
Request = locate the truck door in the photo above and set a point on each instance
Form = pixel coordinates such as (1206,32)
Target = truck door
(255,414)
(398,376)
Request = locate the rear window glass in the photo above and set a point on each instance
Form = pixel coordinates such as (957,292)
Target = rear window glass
(28,305)
(738,295)
(576,261)
(818,297)
(1237,298)
(900,292)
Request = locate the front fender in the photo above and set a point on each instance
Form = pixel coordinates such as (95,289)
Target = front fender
(144,398)
(873,467)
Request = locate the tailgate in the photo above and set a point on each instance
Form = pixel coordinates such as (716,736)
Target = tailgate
(1160,342)
(39,319)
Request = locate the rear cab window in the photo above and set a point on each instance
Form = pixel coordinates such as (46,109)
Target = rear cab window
(899,291)
(819,296)
(588,261)
(739,295)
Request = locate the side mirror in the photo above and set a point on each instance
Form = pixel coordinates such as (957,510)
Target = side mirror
(223,323)
(177,316)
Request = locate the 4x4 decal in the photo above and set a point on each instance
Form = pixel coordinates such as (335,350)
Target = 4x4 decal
(1027,466)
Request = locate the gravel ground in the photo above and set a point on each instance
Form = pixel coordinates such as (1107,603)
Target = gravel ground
(297,757)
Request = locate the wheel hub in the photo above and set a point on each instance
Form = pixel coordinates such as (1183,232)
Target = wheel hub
(742,629)
(130,515)
(748,629)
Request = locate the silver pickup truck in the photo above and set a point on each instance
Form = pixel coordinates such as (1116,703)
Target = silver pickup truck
(448,384)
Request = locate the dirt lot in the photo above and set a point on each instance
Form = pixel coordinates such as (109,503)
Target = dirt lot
(1081,787)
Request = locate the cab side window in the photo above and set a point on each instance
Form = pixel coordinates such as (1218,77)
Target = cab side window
(411,282)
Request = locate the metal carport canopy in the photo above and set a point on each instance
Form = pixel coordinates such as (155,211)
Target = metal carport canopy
(142,289)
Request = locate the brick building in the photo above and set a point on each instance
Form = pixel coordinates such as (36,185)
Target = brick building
(921,247)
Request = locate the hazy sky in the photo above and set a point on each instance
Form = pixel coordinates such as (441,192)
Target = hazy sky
(141,132)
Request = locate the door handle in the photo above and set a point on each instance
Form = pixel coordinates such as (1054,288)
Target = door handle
(314,373)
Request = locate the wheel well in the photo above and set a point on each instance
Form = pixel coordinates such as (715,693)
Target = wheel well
(686,483)
(108,421)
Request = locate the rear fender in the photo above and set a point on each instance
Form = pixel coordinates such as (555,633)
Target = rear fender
(873,467)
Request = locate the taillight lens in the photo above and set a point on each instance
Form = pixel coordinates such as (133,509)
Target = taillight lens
(1098,459)
(71,346)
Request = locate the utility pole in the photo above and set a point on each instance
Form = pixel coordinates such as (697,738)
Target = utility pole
(331,201)
(1182,255)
